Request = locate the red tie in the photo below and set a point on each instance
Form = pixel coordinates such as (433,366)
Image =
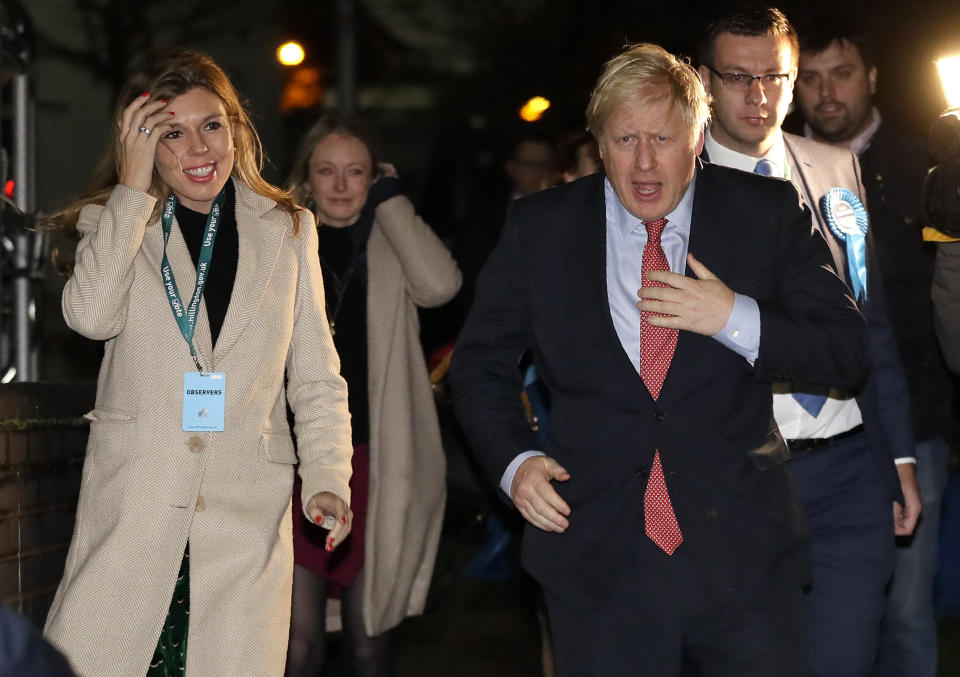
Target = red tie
(657,345)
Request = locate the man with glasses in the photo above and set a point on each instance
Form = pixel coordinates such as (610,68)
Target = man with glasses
(845,445)
(835,86)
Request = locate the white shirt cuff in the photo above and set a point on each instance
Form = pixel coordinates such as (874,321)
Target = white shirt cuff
(506,480)
(741,334)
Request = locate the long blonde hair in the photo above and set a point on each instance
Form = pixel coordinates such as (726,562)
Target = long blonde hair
(168,74)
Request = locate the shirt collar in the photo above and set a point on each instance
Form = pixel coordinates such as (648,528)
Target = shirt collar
(721,155)
(861,141)
(624,222)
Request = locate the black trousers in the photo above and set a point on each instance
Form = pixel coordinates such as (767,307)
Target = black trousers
(672,626)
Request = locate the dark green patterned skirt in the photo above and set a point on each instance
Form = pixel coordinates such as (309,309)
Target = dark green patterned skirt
(170,657)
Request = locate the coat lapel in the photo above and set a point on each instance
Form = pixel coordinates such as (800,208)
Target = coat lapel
(259,242)
(185,275)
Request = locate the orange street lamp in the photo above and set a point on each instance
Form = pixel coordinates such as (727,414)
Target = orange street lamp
(290,53)
(534,109)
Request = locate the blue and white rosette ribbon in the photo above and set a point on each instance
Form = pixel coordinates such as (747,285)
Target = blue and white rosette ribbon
(847,218)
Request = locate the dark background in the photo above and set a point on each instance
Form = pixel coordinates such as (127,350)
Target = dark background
(442,80)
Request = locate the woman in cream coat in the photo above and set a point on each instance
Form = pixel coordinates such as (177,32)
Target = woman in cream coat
(149,489)
(383,262)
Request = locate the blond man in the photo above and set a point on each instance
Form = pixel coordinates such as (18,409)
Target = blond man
(660,299)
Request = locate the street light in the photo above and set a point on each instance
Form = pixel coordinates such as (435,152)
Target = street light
(534,109)
(941,189)
(949,71)
(290,53)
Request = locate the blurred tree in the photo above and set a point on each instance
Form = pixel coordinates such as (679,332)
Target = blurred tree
(106,36)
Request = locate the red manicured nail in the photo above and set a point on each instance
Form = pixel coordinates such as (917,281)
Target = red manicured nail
(171,112)
(330,545)
(343,519)
(319,519)
(163,100)
(145,94)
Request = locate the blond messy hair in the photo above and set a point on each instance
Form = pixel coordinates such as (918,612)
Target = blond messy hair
(641,73)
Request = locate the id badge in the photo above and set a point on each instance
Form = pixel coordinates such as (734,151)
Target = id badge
(203,400)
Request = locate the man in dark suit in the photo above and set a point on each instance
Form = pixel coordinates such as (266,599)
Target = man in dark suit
(851,449)
(836,81)
(660,299)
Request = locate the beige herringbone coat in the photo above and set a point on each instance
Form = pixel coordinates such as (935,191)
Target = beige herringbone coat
(148,487)
(407,266)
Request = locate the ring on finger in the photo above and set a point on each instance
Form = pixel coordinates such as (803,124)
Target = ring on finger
(145,130)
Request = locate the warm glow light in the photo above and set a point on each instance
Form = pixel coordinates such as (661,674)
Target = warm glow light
(534,108)
(290,53)
(949,69)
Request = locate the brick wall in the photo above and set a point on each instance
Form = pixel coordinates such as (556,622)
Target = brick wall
(42,441)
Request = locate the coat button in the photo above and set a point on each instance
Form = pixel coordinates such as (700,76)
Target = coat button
(659,415)
(201,504)
(195,444)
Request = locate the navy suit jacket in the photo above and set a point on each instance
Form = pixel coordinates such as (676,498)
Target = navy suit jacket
(544,289)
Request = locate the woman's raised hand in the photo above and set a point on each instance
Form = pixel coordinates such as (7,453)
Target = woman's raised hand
(387,169)
(141,126)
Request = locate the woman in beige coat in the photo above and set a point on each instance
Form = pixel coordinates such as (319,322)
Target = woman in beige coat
(380,261)
(156,483)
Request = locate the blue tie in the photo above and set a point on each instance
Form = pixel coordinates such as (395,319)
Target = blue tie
(764,167)
(812,404)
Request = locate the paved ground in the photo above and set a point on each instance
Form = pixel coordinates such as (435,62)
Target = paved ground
(483,628)
(472,627)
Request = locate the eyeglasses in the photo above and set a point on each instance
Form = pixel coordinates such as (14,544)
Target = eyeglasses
(741,81)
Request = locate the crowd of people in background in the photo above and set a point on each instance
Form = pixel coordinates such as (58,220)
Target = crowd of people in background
(698,353)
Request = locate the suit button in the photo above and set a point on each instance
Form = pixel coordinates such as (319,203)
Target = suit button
(659,415)
(195,444)
(201,504)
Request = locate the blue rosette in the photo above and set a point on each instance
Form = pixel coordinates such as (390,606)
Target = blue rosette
(848,221)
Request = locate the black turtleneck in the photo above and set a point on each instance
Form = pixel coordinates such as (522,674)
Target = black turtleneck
(223,265)
(343,260)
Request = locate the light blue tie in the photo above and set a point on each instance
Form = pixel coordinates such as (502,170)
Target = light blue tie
(812,404)
(765,167)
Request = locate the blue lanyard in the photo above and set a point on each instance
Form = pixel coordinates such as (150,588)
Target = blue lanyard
(187,317)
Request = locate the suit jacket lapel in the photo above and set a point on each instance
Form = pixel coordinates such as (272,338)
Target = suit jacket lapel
(594,242)
(708,243)
(259,242)
(806,179)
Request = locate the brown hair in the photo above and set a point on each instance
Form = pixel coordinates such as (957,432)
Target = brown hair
(167,74)
(298,183)
(750,21)
(640,71)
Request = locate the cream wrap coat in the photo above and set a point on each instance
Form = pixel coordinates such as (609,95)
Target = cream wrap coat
(148,487)
(407,266)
